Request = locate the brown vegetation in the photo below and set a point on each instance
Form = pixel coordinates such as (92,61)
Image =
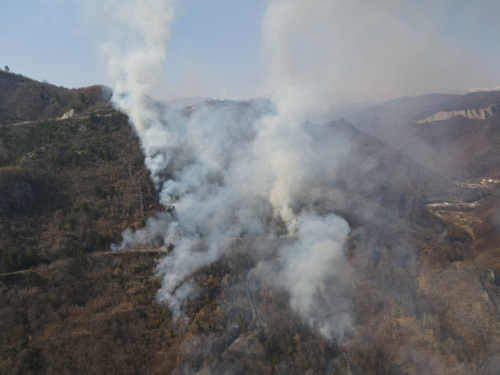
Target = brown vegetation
(425,296)
(69,187)
(23,99)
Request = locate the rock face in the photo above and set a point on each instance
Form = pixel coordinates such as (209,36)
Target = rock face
(68,114)
(471,114)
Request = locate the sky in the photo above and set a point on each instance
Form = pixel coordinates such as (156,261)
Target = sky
(215,44)
(374,50)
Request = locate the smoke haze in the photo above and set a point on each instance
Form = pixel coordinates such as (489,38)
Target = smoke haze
(359,50)
(344,50)
(228,178)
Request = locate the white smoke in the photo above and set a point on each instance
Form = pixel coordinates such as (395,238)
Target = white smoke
(354,50)
(227,176)
(317,274)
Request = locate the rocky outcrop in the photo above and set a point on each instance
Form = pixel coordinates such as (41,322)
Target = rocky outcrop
(68,114)
(472,114)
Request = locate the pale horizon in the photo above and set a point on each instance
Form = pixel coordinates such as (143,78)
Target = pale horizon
(374,52)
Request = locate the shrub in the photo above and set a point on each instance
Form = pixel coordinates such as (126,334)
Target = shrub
(16,258)
(33,279)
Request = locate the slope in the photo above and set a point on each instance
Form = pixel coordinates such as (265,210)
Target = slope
(459,147)
(424,292)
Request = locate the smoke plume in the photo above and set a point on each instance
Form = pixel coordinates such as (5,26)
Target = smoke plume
(375,50)
(230,176)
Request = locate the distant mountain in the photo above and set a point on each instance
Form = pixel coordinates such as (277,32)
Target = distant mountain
(185,102)
(461,143)
(342,110)
(471,90)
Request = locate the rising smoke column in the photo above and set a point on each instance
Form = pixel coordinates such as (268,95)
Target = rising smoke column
(315,269)
(225,182)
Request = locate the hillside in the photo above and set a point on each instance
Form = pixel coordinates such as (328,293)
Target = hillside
(459,147)
(69,187)
(423,248)
(23,99)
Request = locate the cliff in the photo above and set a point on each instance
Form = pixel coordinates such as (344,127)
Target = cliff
(472,114)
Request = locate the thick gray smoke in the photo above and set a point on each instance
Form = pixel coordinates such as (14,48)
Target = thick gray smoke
(229,178)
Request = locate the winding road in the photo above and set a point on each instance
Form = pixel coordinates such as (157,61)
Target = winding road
(456,205)
(460,205)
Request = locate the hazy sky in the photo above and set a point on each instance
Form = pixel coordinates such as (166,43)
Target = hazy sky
(384,47)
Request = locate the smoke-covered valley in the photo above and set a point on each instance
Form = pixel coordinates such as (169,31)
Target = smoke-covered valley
(283,234)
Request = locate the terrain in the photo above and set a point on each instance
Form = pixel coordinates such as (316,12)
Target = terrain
(423,246)
(68,186)
(455,143)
